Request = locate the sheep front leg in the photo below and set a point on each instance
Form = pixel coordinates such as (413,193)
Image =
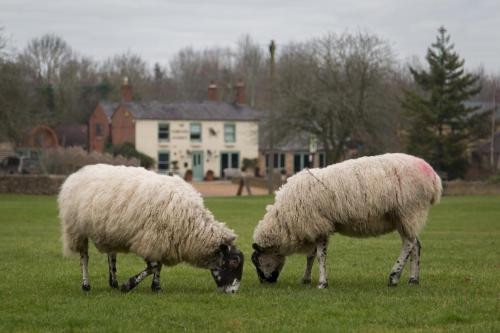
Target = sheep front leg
(309,264)
(408,245)
(155,285)
(84,264)
(113,282)
(136,279)
(321,250)
(415,263)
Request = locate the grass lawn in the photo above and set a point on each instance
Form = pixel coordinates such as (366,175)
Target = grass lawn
(459,289)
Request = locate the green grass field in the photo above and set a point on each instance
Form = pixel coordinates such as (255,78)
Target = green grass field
(459,289)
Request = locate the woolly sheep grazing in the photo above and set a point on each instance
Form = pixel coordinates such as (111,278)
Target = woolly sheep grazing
(160,218)
(363,197)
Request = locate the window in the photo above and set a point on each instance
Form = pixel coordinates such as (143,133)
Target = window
(278,161)
(163,162)
(163,132)
(300,161)
(195,132)
(229,160)
(98,130)
(229,132)
(322,160)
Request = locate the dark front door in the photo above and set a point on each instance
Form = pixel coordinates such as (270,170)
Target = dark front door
(229,160)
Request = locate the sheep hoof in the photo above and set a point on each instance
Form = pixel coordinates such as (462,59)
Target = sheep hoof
(392,283)
(114,284)
(125,288)
(393,279)
(323,285)
(306,281)
(156,289)
(85,287)
(413,280)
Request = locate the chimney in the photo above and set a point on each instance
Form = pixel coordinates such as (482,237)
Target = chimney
(239,91)
(126,91)
(212,92)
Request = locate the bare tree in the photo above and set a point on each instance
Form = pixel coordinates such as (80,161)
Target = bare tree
(45,56)
(17,102)
(129,65)
(3,44)
(192,71)
(335,87)
(250,66)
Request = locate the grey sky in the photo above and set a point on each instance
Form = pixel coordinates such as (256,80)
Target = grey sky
(157,29)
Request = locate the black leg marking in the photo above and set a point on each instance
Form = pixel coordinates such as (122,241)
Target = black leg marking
(397,269)
(136,279)
(321,251)
(113,282)
(415,264)
(155,285)
(306,279)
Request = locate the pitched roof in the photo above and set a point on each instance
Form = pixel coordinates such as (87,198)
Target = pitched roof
(206,110)
(108,108)
(72,135)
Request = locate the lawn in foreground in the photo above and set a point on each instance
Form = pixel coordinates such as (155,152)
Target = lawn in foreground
(459,290)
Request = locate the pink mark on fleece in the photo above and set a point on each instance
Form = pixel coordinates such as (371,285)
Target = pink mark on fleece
(425,167)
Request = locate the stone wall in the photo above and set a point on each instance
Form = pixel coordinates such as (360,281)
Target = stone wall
(30,184)
(456,187)
(39,184)
(460,187)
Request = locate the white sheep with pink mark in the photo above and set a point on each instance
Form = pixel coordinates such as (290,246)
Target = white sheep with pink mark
(363,197)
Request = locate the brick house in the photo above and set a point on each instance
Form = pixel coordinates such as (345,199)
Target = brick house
(99,126)
(290,156)
(71,135)
(42,137)
(479,151)
(123,123)
(197,136)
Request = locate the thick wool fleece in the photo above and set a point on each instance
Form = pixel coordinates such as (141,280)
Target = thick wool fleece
(363,197)
(122,209)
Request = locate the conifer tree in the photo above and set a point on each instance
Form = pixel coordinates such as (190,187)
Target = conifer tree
(441,125)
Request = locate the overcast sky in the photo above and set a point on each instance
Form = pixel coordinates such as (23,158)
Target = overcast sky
(156,29)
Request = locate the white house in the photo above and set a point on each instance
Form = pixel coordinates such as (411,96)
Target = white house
(197,136)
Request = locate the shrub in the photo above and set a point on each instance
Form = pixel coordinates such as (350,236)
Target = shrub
(128,150)
(250,163)
(64,161)
(495,178)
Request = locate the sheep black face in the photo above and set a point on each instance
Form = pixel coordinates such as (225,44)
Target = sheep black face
(229,269)
(268,265)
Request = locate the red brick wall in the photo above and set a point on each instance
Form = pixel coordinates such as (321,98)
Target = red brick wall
(122,126)
(212,92)
(42,136)
(96,142)
(240,92)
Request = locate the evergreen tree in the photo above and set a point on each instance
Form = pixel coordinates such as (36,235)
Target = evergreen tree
(441,125)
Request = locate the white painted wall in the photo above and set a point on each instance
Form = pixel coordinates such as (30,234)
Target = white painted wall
(212,142)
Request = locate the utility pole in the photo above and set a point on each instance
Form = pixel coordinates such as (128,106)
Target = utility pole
(271,124)
(493,125)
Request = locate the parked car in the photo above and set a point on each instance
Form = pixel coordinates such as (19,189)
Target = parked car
(19,164)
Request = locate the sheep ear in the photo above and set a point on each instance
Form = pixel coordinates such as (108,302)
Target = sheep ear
(224,248)
(257,248)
